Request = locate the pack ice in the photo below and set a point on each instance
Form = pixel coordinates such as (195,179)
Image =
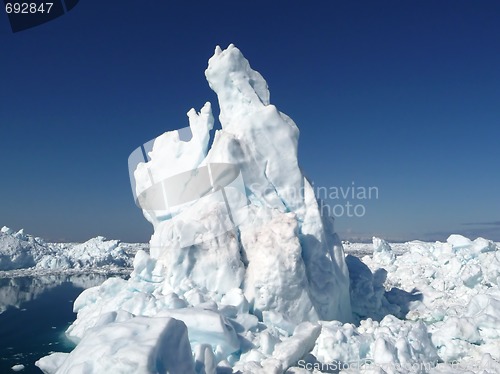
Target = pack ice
(21,251)
(245,275)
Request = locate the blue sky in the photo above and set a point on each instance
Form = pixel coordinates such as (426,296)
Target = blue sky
(400,95)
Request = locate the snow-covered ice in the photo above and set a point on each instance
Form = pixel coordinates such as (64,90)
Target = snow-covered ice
(273,292)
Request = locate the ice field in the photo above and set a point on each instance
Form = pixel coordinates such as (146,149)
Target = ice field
(417,307)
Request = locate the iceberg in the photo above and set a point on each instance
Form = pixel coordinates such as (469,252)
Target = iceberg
(19,250)
(238,235)
(215,234)
(246,275)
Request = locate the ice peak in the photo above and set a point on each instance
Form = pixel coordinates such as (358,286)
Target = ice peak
(229,74)
(251,215)
(6,230)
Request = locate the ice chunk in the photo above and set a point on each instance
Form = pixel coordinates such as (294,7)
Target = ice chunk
(481,245)
(484,309)
(207,327)
(236,298)
(6,230)
(294,348)
(368,294)
(455,336)
(204,359)
(137,346)
(382,251)
(19,251)
(51,363)
(459,241)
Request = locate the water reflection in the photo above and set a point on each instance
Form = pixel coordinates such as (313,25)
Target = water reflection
(34,313)
(14,292)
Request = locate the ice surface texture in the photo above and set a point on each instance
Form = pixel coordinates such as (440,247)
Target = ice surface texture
(452,287)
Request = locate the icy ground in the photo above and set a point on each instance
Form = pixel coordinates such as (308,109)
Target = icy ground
(246,275)
(417,307)
(425,307)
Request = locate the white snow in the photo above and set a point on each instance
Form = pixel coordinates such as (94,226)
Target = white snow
(254,279)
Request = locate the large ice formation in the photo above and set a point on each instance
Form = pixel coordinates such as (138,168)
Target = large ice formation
(242,260)
(267,256)
(284,255)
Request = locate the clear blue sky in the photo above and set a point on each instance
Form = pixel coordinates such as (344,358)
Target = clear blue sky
(401,95)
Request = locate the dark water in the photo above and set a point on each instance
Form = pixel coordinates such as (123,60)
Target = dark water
(34,313)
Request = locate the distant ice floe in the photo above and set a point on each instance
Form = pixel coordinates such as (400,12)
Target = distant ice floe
(22,255)
(18,367)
